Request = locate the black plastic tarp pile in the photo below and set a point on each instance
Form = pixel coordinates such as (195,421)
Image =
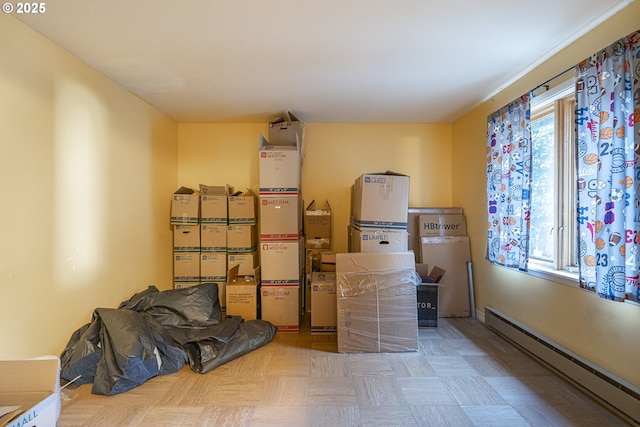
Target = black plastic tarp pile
(157,333)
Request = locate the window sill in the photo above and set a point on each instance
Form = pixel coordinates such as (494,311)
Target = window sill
(560,276)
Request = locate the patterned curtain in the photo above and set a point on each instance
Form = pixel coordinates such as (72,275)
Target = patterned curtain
(509,184)
(608,170)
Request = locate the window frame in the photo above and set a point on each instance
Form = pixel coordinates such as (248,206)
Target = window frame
(561,101)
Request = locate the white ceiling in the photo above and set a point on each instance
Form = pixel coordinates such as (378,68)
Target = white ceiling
(340,61)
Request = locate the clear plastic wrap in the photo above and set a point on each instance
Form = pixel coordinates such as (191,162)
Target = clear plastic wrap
(377,310)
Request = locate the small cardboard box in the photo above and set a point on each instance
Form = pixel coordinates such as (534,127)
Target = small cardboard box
(442,225)
(186,238)
(450,253)
(281,262)
(287,130)
(241,238)
(213,237)
(279,168)
(378,240)
(242,294)
(323,302)
(213,266)
(317,226)
(413,225)
(280,305)
(213,205)
(246,262)
(186,267)
(242,208)
(185,206)
(327,261)
(34,387)
(280,218)
(381,200)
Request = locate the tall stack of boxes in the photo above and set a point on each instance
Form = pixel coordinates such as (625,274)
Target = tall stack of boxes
(281,241)
(213,237)
(185,219)
(199,220)
(320,284)
(376,297)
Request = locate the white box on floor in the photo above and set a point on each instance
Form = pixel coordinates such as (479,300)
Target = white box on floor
(34,386)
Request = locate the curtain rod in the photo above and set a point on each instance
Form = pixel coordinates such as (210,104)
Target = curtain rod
(545,84)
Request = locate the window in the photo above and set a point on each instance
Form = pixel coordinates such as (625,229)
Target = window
(552,247)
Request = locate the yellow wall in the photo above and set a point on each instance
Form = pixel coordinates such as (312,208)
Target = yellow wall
(572,317)
(334,156)
(87,170)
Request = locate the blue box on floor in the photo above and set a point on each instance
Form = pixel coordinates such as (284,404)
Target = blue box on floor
(427,298)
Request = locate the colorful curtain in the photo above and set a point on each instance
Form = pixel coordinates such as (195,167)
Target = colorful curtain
(608,170)
(509,184)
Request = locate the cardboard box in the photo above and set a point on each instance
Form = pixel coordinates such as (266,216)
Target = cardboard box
(376,302)
(242,208)
(34,386)
(288,130)
(378,240)
(427,299)
(186,267)
(213,205)
(241,238)
(185,206)
(186,238)
(280,218)
(323,302)
(213,266)
(213,237)
(317,226)
(450,253)
(281,262)
(246,262)
(242,294)
(413,225)
(280,305)
(327,261)
(279,168)
(380,200)
(433,276)
(442,225)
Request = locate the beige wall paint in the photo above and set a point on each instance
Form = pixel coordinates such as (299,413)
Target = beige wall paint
(87,171)
(334,156)
(572,317)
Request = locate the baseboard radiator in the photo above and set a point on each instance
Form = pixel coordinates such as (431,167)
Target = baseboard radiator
(621,395)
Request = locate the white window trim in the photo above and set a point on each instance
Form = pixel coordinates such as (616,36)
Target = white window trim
(539,269)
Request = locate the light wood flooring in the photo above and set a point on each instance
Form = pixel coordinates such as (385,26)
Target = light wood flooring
(463,375)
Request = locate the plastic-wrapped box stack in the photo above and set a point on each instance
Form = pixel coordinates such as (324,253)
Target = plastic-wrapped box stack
(379,210)
(281,241)
(376,302)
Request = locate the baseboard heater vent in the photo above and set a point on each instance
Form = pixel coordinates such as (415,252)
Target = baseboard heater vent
(618,393)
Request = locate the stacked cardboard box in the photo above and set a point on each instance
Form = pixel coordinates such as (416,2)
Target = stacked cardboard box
(317,231)
(185,218)
(200,220)
(281,242)
(379,207)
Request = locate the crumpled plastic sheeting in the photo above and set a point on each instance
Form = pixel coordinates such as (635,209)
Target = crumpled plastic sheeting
(157,333)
